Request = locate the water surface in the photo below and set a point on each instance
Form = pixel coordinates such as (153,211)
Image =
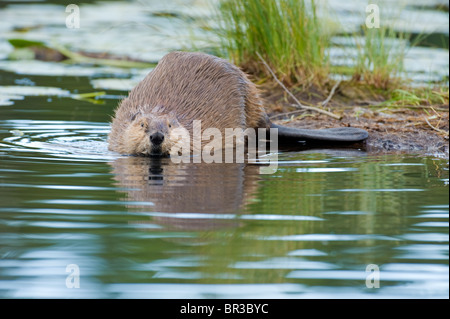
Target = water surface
(149,228)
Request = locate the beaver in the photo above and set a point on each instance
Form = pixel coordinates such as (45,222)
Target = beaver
(189,86)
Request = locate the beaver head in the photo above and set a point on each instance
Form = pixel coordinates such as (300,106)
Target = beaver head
(149,134)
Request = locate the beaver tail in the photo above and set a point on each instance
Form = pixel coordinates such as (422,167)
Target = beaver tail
(338,134)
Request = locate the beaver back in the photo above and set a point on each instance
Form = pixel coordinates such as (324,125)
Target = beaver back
(194,86)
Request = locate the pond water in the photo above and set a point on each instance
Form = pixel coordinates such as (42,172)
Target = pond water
(149,228)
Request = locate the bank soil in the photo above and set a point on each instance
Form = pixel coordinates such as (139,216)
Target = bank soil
(414,130)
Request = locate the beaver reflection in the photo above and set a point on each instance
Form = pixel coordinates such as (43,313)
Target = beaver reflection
(179,189)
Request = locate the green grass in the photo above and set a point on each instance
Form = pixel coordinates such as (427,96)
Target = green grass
(382,50)
(286,33)
(380,57)
(293,40)
(415,97)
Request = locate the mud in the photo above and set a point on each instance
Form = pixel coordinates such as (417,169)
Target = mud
(390,130)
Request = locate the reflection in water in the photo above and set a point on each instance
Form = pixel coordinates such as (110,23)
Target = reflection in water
(216,188)
(224,230)
(148,228)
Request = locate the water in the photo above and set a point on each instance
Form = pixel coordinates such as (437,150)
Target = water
(143,228)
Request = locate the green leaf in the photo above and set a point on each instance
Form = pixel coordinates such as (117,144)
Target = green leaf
(21,43)
(89,97)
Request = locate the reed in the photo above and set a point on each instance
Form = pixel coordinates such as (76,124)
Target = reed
(294,42)
(287,34)
(423,97)
(380,55)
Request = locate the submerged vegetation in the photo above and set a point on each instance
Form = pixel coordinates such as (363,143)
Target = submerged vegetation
(29,50)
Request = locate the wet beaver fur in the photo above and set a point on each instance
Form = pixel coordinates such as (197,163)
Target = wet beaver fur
(187,86)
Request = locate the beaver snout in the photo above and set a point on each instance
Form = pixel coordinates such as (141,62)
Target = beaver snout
(157,138)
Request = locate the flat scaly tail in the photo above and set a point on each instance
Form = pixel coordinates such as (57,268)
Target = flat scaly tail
(338,134)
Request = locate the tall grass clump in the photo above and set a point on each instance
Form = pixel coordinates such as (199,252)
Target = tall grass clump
(288,35)
(381,50)
(380,55)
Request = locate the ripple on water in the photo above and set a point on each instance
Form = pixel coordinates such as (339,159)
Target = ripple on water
(74,140)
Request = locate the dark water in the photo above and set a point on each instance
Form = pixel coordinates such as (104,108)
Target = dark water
(142,228)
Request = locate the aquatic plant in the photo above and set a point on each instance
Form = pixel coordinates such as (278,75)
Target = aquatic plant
(380,55)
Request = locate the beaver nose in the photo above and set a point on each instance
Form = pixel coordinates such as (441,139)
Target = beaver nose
(157,138)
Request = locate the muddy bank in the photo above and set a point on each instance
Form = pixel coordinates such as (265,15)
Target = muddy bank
(391,130)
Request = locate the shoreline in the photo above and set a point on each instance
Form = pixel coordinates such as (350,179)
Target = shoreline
(391,130)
